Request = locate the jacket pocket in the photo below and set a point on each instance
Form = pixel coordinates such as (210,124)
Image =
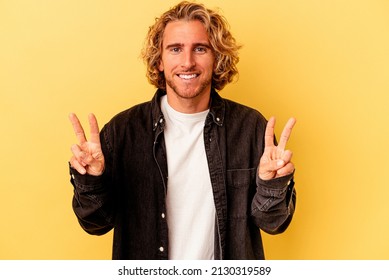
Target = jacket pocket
(239,192)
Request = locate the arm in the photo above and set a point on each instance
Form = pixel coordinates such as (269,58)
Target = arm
(92,198)
(91,202)
(274,202)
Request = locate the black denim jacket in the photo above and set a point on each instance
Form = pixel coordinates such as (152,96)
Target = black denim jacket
(130,195)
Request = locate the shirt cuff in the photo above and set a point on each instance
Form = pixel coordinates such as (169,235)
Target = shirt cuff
(84,180)
(276,187)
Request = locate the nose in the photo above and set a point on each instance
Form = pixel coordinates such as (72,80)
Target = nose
(188,59)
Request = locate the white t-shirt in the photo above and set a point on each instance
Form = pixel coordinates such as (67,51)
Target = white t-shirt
(189,202)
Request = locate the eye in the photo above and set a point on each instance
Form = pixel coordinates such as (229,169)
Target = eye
(175,50)
(200,49)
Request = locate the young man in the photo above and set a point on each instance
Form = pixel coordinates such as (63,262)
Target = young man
(188,175)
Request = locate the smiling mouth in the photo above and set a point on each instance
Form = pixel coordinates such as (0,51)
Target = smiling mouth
(188,76)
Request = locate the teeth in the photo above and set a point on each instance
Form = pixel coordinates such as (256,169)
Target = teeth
(188,77)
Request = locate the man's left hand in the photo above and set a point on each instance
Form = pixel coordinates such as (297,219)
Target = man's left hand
(276,161)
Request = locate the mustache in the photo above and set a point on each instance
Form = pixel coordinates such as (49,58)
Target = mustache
(188,70)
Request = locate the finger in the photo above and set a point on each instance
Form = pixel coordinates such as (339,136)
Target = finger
(286,133)
(269,132)
(79,154)
(94,129)
(270,165)
(267,169)
(78,130)
(287,156)
(77,165)
(286,170)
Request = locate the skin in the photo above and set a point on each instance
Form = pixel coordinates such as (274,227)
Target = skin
(276,161)
(87,156)
(188,63)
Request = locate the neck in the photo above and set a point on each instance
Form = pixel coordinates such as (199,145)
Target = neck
(189,105)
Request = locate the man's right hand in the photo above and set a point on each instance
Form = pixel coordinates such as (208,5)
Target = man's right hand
(87,156)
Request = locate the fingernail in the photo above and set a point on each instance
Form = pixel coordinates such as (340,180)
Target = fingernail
(280,163)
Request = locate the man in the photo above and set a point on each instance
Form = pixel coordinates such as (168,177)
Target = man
(188,175)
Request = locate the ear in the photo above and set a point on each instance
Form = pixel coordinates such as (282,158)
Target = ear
(160,66)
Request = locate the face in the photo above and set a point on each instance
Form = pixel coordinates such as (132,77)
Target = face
(187,60)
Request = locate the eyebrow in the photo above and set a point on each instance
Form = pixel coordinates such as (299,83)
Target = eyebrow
(175,45)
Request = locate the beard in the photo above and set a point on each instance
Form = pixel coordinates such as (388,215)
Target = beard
(188,91)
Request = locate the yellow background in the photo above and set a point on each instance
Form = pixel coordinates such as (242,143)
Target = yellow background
(323,61)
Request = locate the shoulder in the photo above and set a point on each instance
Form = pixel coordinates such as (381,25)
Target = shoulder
(140,114)
(139,111)
(235,110)
(136,112)
(126,127)
(131,121)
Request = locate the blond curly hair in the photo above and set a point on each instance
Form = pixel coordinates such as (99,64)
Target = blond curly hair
(222,42)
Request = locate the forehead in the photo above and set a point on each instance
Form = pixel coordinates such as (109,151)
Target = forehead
(183,31)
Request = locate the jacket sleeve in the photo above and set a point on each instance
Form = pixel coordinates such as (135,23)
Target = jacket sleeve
(273,205)
(91,203)
(93,198)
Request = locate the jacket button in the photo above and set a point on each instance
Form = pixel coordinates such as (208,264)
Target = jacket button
(161,249)
(163,215)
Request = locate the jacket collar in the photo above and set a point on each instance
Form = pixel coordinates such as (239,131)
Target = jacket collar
(157,116)
(216,111)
